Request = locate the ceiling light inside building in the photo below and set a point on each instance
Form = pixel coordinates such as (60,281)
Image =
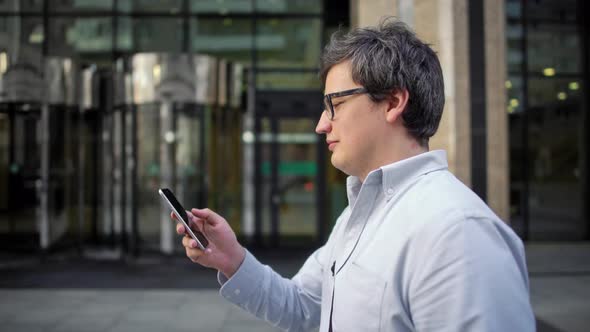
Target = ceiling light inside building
(549,72)
(248,137)
(36,36)
(508,85)
(169,137)
(574,86)
(514,102)
(561,95)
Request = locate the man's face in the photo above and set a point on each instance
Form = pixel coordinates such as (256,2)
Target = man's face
(358,125)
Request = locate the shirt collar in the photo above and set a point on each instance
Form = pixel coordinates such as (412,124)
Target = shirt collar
(392,177)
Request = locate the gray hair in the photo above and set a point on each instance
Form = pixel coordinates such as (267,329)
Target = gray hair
(387,58)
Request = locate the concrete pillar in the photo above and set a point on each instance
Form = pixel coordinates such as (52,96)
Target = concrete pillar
(498,168)
(368,12)
(444,25)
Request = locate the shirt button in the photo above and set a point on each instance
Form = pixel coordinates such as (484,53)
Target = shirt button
(237,292)
(390,191)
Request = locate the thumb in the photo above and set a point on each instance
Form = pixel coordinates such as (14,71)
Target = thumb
(207,216)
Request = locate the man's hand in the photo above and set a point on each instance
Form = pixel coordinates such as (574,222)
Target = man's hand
(223,253)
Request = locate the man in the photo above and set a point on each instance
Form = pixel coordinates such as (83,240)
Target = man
(415,250)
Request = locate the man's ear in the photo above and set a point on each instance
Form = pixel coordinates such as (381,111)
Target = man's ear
(397,103)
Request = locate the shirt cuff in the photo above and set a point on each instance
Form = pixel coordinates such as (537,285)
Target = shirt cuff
(244,282)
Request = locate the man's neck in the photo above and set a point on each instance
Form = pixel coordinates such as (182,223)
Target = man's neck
(406,151)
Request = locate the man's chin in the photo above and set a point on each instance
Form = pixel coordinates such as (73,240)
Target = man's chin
(339,165)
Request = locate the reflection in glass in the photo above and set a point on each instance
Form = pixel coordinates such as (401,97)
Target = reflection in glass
(287,81)
(565,10)
(148,173)
(16,6)
(164,6)
(221,7)
(514,55)
(288,43)
(69,36)
(297,178)
(150,34)
(20,162)
(25,32)
(71,6)
(289,6)
(554,46)
(229,38)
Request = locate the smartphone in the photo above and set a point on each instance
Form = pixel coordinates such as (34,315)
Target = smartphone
(180,213)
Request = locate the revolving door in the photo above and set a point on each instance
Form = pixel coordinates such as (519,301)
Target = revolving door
(163,106)
(37,104)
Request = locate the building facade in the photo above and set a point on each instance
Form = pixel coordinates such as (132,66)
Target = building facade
(514,125)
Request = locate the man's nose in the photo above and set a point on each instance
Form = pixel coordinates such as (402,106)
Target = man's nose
(324,124)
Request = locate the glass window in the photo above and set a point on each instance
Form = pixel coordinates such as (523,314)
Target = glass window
(514,9)
(551,91)
(161,6)
(514,57)
(221,7)
(555,126)
(159,34)
(28,33)
(78,35)
(287,81)
(80,5)
(289,6)
(552,46)
(16,6)
(288,43)
(515,94)
(230,38)
(563,10)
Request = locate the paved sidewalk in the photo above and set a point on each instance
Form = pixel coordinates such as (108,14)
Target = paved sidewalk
(116,310)
(36,296)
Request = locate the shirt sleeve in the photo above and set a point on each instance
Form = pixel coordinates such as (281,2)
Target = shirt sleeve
(290,304)
(470,278)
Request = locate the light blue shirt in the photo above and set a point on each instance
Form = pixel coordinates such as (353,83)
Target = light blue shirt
(415,250)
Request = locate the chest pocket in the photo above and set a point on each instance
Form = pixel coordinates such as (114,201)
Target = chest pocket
(358,299)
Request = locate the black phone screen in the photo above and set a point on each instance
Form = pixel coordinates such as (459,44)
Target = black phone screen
(178,207)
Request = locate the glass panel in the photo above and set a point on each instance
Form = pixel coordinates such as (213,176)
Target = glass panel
(14,6)
(289,6)
(554,136)
(287,81)
(221,7)
(229,38)
(283,43)
(297,177)
(190,173)
(265,136)
(555,47)
(80,5)
(162,6)
(514,57)
(20,162)
(515,94)
(558,92)
(150,34)
(148,174)
(514,9)
(124,33)
(564,10)
(29,34)
(69,36)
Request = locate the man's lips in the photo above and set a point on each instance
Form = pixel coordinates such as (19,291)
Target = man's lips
(331,144)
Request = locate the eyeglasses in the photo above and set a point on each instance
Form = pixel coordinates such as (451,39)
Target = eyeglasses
(329,107)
